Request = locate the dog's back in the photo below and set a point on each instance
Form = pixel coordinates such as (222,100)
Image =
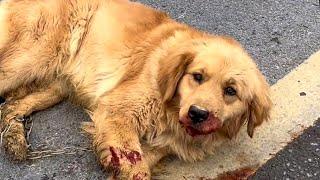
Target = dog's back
(3,24)
(42,39)
(33,33)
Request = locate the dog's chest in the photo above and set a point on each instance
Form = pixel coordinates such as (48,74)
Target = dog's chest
(93,79)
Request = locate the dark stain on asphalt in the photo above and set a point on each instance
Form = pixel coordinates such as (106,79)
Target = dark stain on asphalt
(276,40)
(239,174)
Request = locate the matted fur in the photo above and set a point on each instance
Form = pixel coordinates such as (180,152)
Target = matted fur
(131,67)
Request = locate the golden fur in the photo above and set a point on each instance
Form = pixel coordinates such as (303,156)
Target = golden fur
(132,68)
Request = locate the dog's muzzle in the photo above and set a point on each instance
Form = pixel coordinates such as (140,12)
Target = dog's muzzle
(199,121)
(198,114)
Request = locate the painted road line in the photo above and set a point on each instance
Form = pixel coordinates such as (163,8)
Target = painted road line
(296,100)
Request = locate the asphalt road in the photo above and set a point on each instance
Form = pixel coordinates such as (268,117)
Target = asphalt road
(279,34)
(299,160)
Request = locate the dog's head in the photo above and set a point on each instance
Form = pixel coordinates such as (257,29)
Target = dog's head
(216,85)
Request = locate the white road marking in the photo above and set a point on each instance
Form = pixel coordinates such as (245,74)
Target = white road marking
(296,100)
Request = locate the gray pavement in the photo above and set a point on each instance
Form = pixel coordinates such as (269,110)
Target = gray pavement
(299,160)
(279,34)
(55,129)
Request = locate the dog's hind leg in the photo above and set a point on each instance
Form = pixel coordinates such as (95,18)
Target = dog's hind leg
(11,125)
(27,49)
(19,69)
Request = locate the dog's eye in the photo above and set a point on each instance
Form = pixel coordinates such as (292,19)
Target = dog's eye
(229,91)
(198,77)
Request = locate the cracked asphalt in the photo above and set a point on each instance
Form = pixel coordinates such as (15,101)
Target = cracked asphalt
(279,34)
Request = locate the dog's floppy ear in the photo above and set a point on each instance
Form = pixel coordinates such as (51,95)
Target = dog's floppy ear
(171,70)
(260,105)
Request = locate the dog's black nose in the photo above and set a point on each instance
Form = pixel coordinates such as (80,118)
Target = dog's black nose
(197,114)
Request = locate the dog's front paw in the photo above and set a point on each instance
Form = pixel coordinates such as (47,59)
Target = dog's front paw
(14,141)
(12,134)
(126,164)
(141,176)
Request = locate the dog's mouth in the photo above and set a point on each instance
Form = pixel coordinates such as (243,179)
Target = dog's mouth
(211,125)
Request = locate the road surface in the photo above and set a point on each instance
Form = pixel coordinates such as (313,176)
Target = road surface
(279,34)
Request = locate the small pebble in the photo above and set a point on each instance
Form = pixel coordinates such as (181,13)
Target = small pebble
(288,164)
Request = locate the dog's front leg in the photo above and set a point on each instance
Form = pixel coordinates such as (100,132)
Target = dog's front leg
(154,154)
(117,144)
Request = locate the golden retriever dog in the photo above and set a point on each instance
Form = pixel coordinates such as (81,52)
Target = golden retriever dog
(151,85)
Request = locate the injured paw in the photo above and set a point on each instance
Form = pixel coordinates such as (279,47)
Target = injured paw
(140,176)
(126,164)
